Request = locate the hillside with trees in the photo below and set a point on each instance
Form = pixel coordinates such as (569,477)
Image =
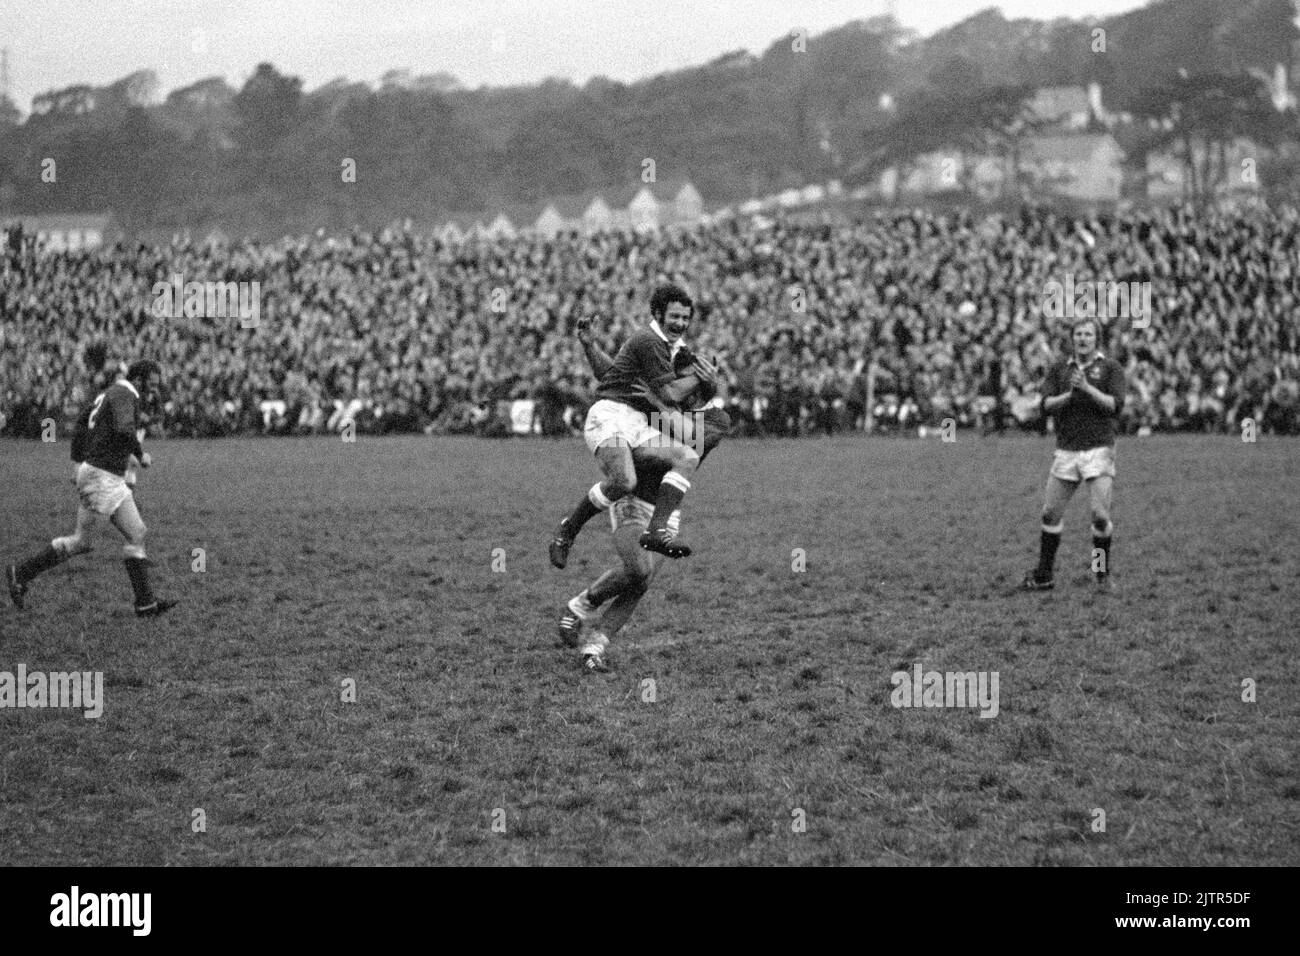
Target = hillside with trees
(267,158)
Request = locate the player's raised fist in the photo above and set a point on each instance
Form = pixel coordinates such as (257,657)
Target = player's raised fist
(582,328)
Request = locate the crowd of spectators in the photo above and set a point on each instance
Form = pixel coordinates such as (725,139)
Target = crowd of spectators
(896,321)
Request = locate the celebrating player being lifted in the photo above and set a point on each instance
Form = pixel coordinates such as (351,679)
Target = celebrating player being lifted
(1084,394)
(652,374)
(105,441)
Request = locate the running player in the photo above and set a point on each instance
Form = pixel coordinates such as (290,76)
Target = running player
(104,443)
(643,380)
(1084,394)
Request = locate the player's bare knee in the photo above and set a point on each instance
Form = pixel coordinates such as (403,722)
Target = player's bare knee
(1101,522)
(1051,518)
(135,537)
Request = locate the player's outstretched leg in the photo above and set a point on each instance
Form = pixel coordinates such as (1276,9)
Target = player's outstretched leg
(620,611)
(615,460)
(658,536)
(127,520)
(18,576)
(585,606)
(1057,496)
(638,570)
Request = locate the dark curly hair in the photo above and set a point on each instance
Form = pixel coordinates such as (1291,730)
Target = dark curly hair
(666,294)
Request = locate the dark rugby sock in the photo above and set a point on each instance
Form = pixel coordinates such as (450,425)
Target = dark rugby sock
(671,492)
(1048,542)
(137,569)
(39,563)
(593,503)
(1101,544)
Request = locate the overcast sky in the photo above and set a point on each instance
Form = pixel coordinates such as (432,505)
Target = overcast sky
(57,43)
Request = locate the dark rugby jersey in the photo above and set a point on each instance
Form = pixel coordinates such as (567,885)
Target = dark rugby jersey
(105,435)
(645,360)
(1081,423)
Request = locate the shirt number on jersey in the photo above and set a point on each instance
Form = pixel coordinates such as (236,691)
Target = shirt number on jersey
(94,412)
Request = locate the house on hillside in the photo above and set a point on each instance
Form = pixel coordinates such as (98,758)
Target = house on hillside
(644,211)
(1061,108)
(932,173)
(501,227)
(652,206)
(599,217)
(562,214)
(450,232)
(812,193)
(62,232)
(1087,167)
(549,222)
(947,172)
(639,206)
(688,205)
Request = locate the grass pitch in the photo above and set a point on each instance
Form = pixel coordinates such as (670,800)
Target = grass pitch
(417,568)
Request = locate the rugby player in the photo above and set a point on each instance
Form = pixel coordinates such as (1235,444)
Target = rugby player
(624,586)
(1084,394)
(103,445)
(644,379)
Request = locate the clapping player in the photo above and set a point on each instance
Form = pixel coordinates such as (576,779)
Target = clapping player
(1084,394)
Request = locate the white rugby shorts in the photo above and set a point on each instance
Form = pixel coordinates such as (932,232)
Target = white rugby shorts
(631,510)
(101,491)
(1077,466)
(613,420)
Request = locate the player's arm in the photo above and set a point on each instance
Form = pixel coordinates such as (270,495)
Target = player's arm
(676,391)
(1116,388)
(125,424)
(142,459)
(599,360)
(1053,396)
(702,377)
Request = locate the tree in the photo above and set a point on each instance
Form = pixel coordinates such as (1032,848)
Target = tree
(267,107)
(1200,116)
